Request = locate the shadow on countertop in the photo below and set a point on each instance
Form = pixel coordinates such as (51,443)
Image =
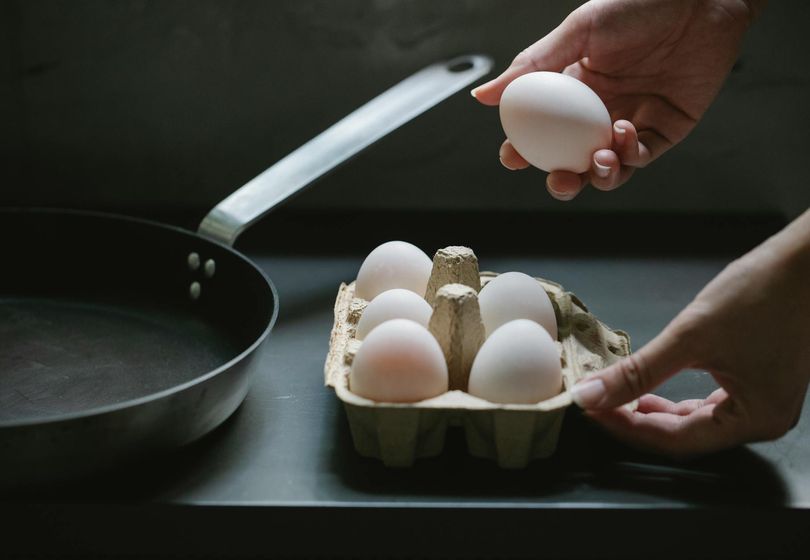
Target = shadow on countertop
(588,469)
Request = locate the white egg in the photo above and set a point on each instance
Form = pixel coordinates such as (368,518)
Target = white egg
(393,304)
(395,264)
(399,361)
(555,121)
(519,363)
(514,295)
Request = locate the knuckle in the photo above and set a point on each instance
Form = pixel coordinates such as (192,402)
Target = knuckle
(523,58)
(687,329)
(599,182)
(634,375)
(529,58)
(688,323)
(686,407)
(604,183)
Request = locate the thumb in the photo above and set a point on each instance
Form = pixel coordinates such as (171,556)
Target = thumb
(560,48)
(633,376)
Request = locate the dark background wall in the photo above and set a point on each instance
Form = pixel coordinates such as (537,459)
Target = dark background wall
(144,105)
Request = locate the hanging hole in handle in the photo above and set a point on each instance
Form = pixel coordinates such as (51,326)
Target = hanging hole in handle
(460,66)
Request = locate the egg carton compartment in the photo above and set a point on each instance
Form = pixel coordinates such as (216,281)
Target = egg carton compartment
(510,434)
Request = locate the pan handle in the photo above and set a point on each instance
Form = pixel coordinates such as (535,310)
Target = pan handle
(363,127)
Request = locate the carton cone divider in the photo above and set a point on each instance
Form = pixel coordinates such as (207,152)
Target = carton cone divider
(456,324)
(453,265)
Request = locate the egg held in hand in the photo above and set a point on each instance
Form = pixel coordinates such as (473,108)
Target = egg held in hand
(519,363)
(393,304)
(395,264)
(514,295)
(399,361)
(555,121)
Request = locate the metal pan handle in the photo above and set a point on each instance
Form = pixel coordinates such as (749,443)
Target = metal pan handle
(341,141)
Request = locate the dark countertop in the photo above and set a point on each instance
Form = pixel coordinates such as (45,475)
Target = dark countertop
(281,477)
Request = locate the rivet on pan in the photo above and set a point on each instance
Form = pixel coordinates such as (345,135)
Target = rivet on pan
(210,268)
(193,261)
(194,290)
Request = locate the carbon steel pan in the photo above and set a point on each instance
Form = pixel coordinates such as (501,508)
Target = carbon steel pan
(121,336)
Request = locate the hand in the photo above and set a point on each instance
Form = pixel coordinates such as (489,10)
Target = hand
(749,328)
(656,64)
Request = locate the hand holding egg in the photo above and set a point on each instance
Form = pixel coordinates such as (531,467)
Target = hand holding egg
(558,124)
(655,91)
(554,121)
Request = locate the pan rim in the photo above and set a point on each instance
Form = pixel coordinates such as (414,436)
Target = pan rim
(175,389)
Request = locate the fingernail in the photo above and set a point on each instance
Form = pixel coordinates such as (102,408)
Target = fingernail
(506,166)
(500,157)
(620,134)
(601,170)
(588,394)
(560,195)
(474,92)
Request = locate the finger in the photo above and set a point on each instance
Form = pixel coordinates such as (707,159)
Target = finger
(625,173)
(653,403)
(718,396)
(565,185)
(704,430)
(654,143)
(627,146)
(563,46)
(509,157)
(605,169)
(634,375)
(613,168)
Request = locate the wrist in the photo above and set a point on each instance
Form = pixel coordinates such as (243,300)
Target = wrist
(791,247)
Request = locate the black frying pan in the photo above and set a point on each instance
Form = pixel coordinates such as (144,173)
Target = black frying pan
(120,336)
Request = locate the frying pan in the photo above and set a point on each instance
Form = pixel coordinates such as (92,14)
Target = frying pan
(120,336)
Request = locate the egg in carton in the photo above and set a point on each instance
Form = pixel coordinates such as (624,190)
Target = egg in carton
(511,434)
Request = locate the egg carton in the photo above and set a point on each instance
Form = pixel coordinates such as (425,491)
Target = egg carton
(510,434)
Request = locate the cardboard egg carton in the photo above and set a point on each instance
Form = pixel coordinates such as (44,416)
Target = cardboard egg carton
(511,434)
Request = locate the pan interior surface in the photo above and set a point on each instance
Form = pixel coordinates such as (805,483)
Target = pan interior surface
(67,356)
(98,311)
